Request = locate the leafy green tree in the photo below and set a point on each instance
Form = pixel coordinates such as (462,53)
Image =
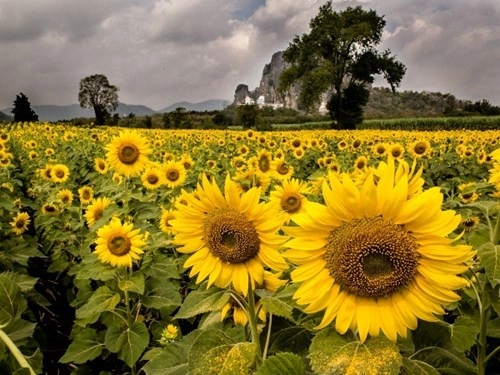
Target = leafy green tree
(338,56)
(22,109)
(96,92)
(246,115)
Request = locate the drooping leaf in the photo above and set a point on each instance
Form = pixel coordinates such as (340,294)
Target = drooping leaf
(84,347)
(24,282)
(11,300)
(414,367)
(133,284)
(333,354)
(173,359)
(202,301)
(282,364)
(446,360)
(161,293)
(463,332)
(278,307)
(103,299)
(128,343)
(213,353)
(490,259)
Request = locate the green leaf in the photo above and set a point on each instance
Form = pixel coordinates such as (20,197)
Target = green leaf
(134,284)
(161,293)
(463,332)
(278,307)
(11,300)
(333,354)
(414,367)
(202,301)
(493,328)
(161,266)
(213,354)
(84,347)
(24,282)
(91,268)
(129,344)
(490,259)
(289,338)
(20,330)
(446,360)
(103,299)
(282,364)
(173,359)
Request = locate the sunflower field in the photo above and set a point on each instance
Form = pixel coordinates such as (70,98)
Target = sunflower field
(240,252)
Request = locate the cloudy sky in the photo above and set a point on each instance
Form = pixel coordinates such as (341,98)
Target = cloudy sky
(163,51)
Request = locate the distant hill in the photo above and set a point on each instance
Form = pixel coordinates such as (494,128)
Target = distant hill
(5,117)
(68,112)
(71,111)
(207,105)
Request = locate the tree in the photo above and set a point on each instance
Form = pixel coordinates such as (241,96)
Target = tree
(22,109)
(338,56)
(247,115)
(97,93)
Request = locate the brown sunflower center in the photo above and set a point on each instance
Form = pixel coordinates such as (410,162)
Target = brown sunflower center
(264,164)
(60,173)
(128,153)
(291,202)
(371,257)
(153,179)
(283,169)
(20,223)
(231,237)
(98,213)
(396,152)
(173,175)
(420,148)
(119,245)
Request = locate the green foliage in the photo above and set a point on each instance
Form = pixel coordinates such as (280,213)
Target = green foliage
(338,54)
(332,354)
(22,109)
(282,364)
(96,92)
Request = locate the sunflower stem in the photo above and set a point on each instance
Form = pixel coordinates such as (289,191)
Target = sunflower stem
(495,235)
(481,341)
(16,352)
(268,337)
(252,321)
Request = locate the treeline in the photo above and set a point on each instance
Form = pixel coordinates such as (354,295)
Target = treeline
(383,103)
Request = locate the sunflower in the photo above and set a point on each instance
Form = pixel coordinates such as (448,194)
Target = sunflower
(20,223)
(174,174)
(46,172)
(86,193)
(50,209)
(59,173)
(262,162)
(239,315)
(119,244)
(420,149)
(65,196)
(128,153)
(375,260)
(467,192)
(290,197)
(281,169)
(95,210)
(101,166)
(231,238)
(152,177)
(396,150)
(164,222)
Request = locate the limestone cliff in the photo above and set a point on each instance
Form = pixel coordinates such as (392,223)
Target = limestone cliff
(267,93)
